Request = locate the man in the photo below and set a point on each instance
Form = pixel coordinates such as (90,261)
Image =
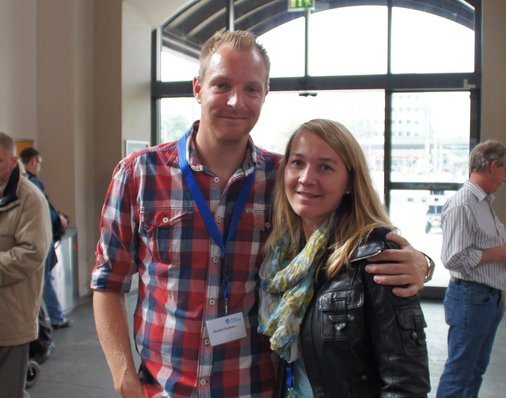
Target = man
(32,161)
(25,236)
(474,251)
(191,217)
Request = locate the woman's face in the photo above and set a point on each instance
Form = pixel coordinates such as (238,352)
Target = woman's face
(316,179)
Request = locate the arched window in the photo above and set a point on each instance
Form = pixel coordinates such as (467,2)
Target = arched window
(403,75)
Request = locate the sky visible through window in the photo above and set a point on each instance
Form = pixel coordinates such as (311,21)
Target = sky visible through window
(353,41)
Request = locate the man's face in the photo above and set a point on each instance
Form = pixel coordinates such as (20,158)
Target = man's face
(231,93)
(37,164)
(7,163)
(498,176)
(34,165)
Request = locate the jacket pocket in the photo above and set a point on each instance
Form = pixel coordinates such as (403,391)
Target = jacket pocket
(342,314)
(412,325)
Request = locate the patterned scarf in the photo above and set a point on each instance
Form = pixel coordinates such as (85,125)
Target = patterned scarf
(286,289)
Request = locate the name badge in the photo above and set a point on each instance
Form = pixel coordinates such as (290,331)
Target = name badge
(225,329)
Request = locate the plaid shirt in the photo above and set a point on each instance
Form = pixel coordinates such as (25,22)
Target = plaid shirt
(151,224)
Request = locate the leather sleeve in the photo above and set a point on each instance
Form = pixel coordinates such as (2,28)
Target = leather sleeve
(398,337)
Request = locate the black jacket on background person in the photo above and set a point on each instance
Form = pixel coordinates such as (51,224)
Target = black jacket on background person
(359,340)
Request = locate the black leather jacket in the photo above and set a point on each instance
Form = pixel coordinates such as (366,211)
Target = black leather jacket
(359,340)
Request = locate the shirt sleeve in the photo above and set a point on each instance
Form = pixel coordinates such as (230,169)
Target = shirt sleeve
(458,251)
(117,247)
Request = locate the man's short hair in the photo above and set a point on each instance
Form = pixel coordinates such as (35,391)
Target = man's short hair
(238,40)
(7,143)
(485,153)
(28,154)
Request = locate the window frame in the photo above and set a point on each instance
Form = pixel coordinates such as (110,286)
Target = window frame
(389,82)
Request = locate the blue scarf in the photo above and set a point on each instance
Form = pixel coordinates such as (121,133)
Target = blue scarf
(286,289)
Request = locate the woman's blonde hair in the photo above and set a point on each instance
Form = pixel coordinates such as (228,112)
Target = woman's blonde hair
(360,212)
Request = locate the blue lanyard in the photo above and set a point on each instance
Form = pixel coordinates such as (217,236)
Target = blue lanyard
(211,226)
(289,382)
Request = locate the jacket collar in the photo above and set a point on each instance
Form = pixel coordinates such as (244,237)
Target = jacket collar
(10,192)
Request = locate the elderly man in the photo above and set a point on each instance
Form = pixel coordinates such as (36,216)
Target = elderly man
(25,236)
(474,251)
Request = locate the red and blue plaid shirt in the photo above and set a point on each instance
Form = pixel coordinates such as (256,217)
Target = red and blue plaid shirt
(151,224)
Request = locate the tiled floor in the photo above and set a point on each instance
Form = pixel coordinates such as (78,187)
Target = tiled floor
(77,368)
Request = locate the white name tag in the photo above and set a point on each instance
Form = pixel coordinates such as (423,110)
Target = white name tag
(225,329)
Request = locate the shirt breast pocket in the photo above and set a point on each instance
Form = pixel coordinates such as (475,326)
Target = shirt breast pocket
(341,314)
(163,230)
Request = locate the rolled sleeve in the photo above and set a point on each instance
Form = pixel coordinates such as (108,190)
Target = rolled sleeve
(116,249)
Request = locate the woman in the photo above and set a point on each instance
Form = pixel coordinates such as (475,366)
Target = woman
(339,334)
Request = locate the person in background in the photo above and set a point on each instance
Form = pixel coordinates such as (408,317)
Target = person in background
(339,333)
(32,161)
(25,237)
(474,251)
(191,218)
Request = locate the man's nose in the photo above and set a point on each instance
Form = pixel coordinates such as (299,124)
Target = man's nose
(235,99)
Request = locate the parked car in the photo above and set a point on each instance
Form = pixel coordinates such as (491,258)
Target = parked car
(433,217)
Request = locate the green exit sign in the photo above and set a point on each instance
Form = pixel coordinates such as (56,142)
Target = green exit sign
(300,4)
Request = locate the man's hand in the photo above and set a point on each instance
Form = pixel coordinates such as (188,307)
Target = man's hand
(111,321)
(405,267)
(64,220)
(131,388)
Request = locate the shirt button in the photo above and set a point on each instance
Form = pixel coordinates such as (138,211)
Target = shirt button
(212,302)
(215,260)
(203,382)
(218,219)
(165,219)
(216,180)
(267,225)
(206,341)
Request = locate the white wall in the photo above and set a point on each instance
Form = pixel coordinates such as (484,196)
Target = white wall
(18,95)
(66,117)
(140,18)
(136,76)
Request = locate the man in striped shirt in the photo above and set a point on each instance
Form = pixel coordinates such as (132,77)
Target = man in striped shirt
(474,251)
(191,217)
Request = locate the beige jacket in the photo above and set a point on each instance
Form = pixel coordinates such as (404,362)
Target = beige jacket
(25,236)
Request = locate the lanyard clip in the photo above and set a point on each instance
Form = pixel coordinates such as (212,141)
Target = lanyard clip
(225,294)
